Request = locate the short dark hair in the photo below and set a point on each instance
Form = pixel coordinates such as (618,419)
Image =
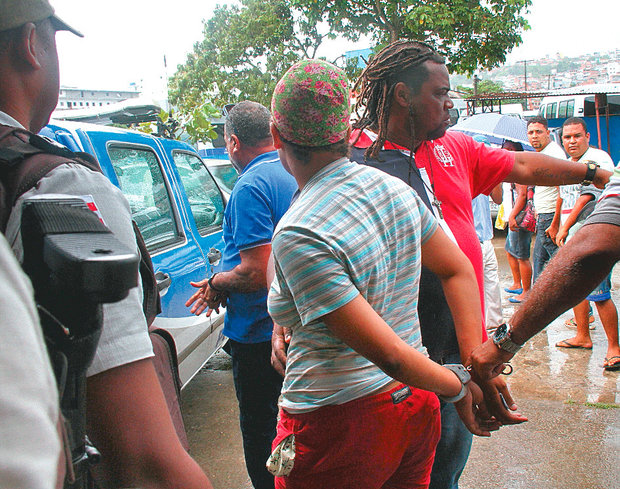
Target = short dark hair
(249,121)
(304,153)
(401,61)
(538,119)
(516,145)
(575,121)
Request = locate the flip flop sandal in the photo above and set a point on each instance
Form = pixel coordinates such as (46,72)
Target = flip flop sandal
(570,323)
(568,344)
(612,367)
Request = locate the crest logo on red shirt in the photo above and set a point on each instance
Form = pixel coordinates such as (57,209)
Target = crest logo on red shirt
(443,155)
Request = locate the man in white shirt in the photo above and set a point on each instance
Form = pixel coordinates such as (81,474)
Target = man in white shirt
(578,202)
(547,200)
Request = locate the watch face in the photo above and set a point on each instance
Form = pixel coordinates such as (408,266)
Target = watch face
(500,333)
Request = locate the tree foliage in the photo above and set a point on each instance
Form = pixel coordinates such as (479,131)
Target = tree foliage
(484,87)
(245,50)
(470,33)
(193,125)
(247,47)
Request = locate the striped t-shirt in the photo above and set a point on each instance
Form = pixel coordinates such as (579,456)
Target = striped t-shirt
(353,230)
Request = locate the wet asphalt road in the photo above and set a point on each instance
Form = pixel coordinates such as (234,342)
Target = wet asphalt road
(571,441)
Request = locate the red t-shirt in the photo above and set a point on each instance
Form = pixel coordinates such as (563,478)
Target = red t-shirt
(459,169)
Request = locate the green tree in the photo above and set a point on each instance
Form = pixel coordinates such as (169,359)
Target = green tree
(470,33)
(245,51)
(484,87)
(193,125)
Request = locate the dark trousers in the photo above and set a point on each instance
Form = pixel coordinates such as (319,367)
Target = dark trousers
(544,247)
(258,387)
(454,444)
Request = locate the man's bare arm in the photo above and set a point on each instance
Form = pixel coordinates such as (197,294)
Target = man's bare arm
(553,228)
(250,275)
(570,276)
(497,194)
(538,169)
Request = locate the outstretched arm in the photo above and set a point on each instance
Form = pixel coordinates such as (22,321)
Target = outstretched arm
(569,277)
(538,169)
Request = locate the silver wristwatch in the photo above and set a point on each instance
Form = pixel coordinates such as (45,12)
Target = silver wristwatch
(501,338)
(463,375)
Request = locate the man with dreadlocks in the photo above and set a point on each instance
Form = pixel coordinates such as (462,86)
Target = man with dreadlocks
(404,90)
(402,131)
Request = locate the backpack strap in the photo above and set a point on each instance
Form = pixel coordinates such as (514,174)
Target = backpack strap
(25,158)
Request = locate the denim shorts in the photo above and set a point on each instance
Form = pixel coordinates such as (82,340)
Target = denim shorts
(602,292)
(518,244)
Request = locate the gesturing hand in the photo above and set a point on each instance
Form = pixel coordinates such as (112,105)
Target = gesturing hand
(205,297)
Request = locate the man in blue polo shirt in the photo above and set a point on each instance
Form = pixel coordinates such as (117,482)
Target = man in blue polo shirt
(258,200)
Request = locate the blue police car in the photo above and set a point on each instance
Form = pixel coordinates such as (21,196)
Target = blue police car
(179,209)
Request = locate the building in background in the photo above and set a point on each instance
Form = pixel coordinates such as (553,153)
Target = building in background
(79,98)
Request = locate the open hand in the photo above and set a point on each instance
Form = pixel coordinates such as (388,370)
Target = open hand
(205,298)
(499,401)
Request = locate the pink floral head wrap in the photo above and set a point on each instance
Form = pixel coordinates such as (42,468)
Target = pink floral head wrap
(310,104)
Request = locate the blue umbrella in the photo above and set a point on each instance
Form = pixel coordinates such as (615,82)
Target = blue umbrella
(497,127)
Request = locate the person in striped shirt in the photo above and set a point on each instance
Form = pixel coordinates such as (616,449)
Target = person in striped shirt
(358,405)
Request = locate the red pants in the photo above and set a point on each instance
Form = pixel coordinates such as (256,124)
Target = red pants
(381,441)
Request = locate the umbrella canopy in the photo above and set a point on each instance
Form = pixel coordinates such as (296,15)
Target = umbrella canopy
(497,126)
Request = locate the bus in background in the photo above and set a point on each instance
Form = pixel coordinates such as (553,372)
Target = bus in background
(598,105)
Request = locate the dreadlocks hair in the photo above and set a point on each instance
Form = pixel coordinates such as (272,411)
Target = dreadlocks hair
(401,61)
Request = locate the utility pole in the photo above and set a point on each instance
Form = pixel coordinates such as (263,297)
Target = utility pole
(525,62)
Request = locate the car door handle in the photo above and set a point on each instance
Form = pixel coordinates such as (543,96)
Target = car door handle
(214,256)
(163,281)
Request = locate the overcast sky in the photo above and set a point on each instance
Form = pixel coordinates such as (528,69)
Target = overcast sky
(125,41)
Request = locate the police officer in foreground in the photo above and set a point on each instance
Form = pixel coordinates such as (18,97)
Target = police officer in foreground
(128,420)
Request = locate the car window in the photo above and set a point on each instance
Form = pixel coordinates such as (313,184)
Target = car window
(562,109)
(142,182)
(225,175)
(205,199)
(551,110)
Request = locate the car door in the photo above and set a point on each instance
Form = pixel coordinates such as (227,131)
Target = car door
(204,205)
(142,168)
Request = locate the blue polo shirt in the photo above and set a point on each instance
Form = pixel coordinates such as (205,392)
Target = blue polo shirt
(258,200)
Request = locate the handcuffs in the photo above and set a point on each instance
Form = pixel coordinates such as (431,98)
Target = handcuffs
(507,369)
